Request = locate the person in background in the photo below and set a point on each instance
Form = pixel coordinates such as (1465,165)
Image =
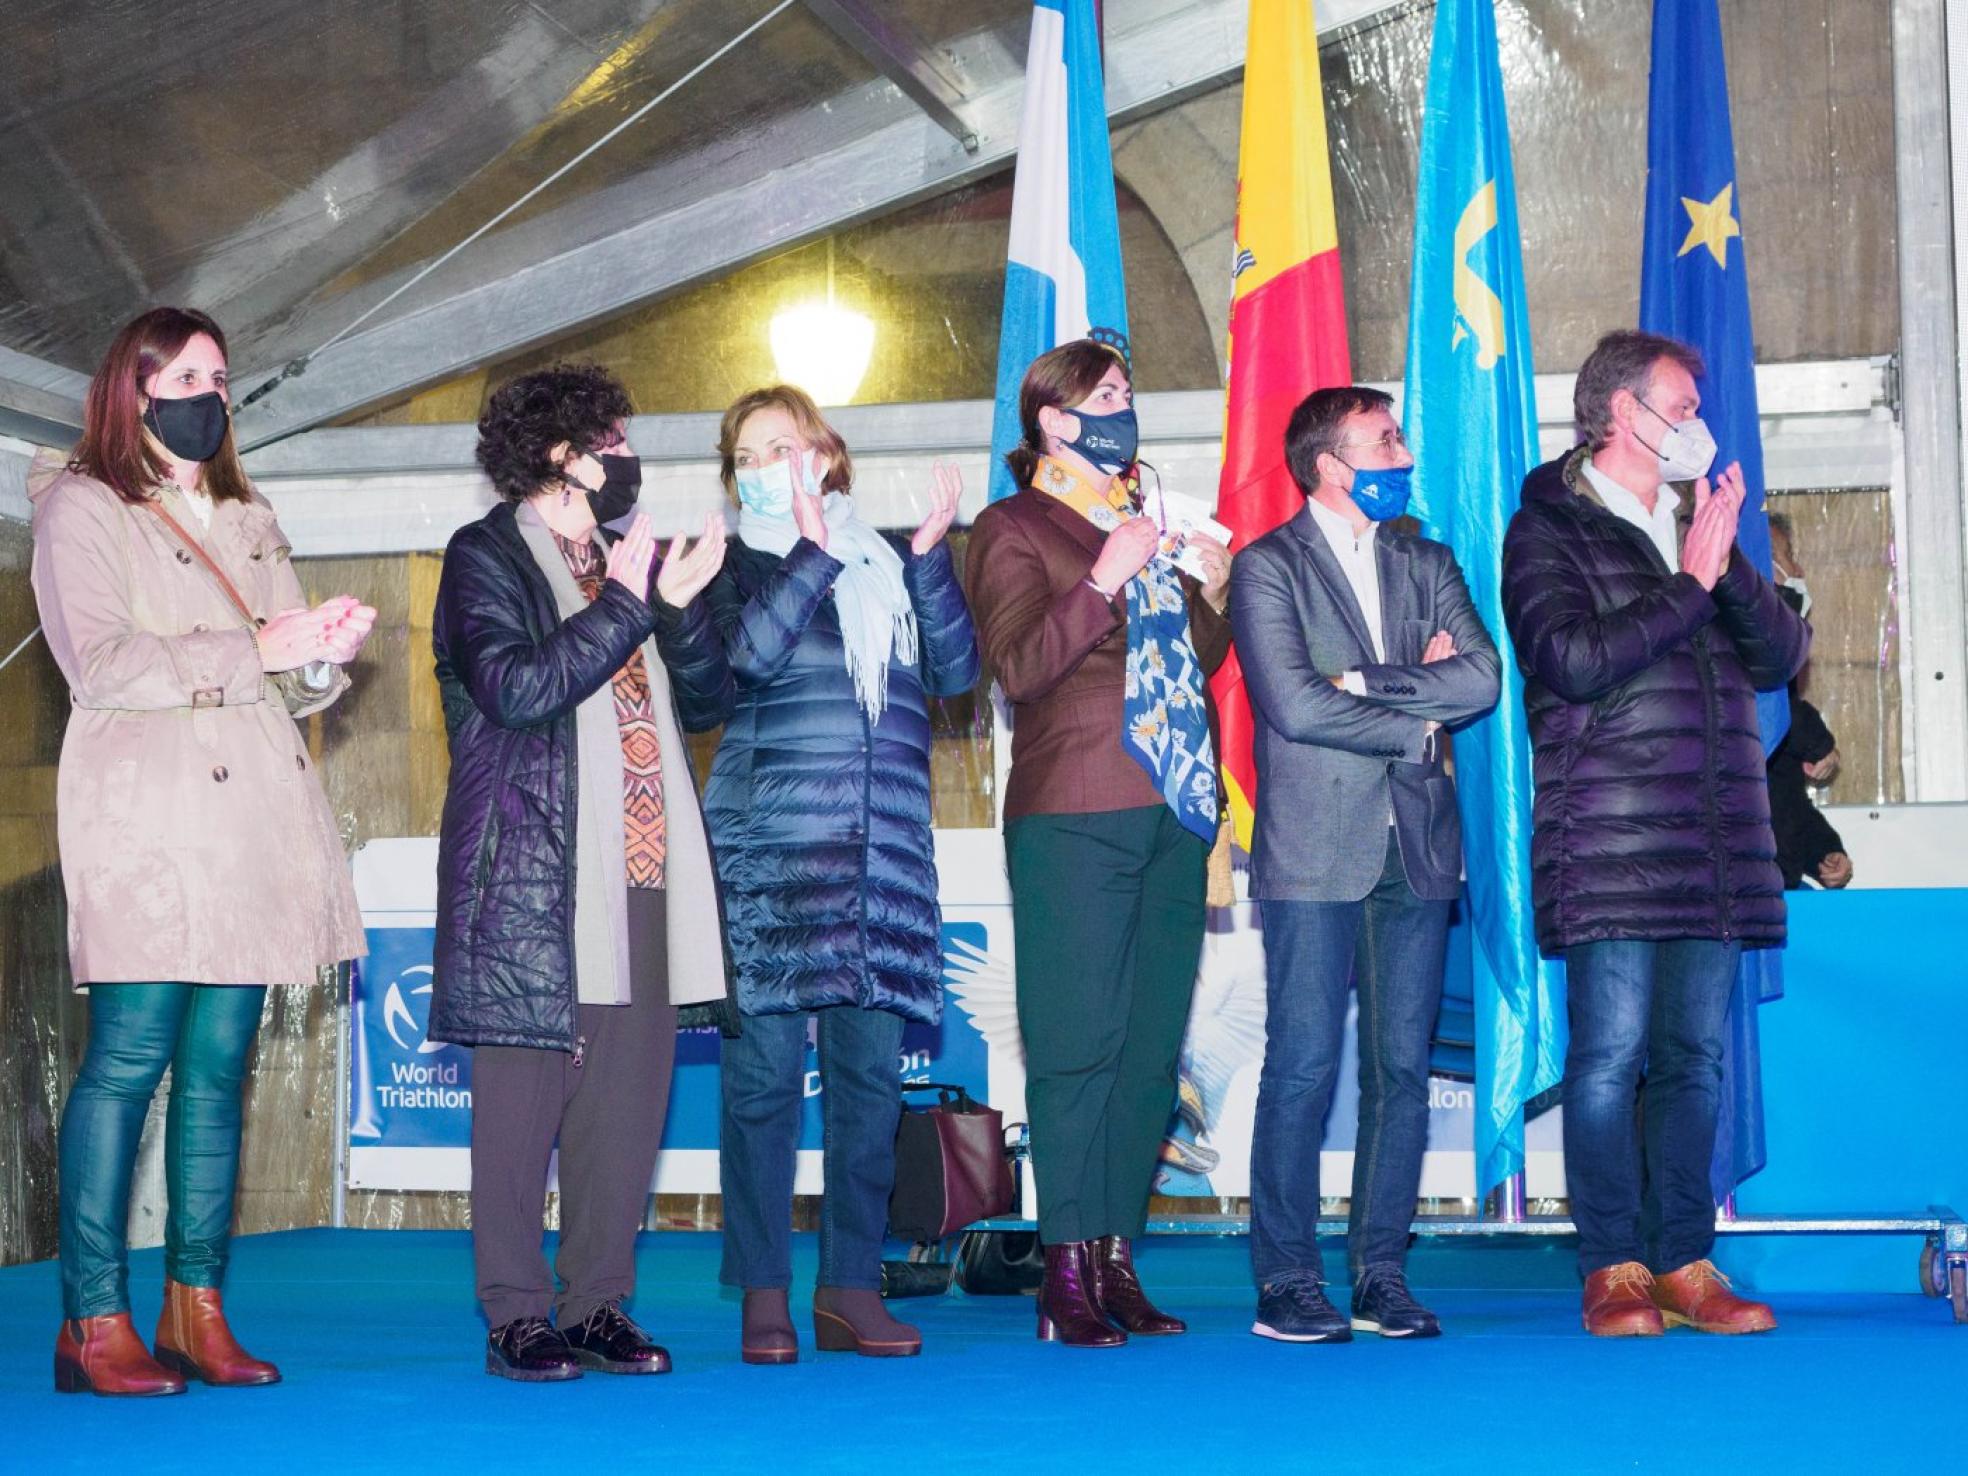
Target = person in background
(833,637)
(1359,644)
(199,856)
(1112,804)
(1808,845)
(1643,642)
(577,907)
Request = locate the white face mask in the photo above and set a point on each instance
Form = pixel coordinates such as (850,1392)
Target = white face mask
(768,490)
(1686,450)
(1796,585)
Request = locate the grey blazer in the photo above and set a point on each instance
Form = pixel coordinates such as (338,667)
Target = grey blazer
(1330,764)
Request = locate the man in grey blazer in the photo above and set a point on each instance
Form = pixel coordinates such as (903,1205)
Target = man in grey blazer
(1359,645)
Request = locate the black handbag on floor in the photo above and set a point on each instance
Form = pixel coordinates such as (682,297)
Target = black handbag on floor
(950,1165)
(1000,1263)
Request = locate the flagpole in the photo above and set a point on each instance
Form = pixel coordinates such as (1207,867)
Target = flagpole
(1507,1204)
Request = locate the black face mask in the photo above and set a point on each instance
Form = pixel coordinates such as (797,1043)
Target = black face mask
(1108,441)
(191,430)
(621,483)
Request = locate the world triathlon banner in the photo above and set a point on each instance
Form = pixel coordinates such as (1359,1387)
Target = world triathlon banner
(410,1096)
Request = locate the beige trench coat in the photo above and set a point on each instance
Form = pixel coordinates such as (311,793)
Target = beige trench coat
(196,843)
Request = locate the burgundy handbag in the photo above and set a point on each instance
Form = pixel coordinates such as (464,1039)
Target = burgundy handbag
(950,1165)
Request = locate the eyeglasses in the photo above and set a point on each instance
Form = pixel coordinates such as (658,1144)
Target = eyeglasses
(1388,443)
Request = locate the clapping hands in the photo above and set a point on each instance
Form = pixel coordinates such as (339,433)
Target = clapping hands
(1712,536)
(946,488)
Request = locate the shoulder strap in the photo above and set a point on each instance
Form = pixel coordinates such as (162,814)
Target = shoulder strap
(156,505)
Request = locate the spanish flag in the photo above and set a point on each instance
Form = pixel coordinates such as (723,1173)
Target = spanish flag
(1287,317)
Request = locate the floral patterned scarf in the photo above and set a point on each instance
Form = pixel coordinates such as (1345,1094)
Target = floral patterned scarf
(1165,724)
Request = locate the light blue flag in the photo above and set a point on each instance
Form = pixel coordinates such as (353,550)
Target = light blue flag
(1063,275)
(1471,411)
(1694,286)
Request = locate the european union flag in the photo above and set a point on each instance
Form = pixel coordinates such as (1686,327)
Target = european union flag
(1694,286)
(1063,273)
(1471,411)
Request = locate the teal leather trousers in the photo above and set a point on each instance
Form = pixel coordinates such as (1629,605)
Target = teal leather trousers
(204,1033)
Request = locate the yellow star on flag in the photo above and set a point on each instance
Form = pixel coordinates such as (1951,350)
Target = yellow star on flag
(1710,224)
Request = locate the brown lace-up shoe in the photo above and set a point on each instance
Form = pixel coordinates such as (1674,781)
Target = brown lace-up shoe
(1617,1304)
(1698,1296)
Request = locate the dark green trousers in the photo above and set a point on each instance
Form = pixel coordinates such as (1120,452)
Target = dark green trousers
(1108,913)
(204,1033)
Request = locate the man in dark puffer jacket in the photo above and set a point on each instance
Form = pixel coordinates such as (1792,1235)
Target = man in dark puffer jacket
(1643,639)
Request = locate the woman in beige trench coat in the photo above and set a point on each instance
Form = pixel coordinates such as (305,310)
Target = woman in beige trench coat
(198,853)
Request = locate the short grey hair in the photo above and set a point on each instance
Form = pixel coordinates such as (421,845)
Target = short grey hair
(1624,359)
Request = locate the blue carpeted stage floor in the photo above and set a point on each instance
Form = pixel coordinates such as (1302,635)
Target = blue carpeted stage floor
(382,1350)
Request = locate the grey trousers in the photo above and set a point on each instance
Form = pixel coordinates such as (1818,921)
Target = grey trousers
(607,1113)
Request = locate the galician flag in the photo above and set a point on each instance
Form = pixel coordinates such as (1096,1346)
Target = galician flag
(1694,286)
(1063,275)
(1471,420)
(1287,317)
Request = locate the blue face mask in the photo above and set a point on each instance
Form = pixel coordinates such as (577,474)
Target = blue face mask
(1108,441)
(1382,492)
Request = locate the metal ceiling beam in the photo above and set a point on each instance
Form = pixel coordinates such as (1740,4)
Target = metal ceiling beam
(925,78)
(1162,55)
(39,401)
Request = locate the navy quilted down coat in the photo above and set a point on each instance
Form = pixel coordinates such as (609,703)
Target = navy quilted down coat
(1652,813)
(511,674)
(820,820)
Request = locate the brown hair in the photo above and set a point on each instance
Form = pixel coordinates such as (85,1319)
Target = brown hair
(1314,427)
(1624,359)
(1059,378)
(113,449)
(797,403)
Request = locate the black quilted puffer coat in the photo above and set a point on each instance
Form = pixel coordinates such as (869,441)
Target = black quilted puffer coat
(821,819)
(1652,813)
(512,673)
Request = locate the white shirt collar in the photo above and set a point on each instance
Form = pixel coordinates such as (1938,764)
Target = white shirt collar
(1623,503)
(1338,530)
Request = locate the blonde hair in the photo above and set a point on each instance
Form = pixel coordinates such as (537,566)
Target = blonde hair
(797,403)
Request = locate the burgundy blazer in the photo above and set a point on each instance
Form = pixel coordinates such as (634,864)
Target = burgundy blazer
(1059,650)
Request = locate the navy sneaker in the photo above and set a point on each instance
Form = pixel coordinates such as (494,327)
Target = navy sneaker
(1292,1308)
(1382,1304)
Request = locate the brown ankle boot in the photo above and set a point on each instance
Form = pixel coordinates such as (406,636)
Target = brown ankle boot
(1068,1311)
(850,1319)
(1117,1290)
(767,1334)
(104,1355)
(192,1337)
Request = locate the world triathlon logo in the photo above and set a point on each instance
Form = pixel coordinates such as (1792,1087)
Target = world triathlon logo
(398,1016)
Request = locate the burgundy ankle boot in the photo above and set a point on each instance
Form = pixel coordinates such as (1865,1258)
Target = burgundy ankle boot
(1068,1312)
(1118,1293)
(768,1335)
(853,1320)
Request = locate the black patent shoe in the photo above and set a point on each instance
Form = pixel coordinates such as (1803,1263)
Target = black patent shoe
(530,1351)
(610,1343)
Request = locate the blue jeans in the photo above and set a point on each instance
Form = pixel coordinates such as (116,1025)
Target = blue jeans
(1310,950)
(203,1032)
(762,1082)
(1653,1010)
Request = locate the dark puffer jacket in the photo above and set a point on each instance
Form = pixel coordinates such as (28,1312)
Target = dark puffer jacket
(820,820)
(511,673)
(1652,814)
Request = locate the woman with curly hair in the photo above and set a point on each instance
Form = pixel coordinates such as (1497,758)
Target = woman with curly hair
(577,906)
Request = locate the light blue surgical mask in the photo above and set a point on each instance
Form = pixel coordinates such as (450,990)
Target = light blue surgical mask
(767,490)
